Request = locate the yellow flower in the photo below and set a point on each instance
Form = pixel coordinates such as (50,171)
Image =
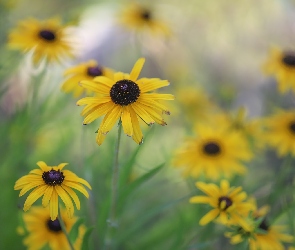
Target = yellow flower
(52,182)
(281,65)
(215,152)
(229,203)
(43,231)
(141,18)
(126,98)
(260,235)
(280,132)
(83,71)
(48,39)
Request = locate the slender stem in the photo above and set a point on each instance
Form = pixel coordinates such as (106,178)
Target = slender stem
(63,227)
(112,221)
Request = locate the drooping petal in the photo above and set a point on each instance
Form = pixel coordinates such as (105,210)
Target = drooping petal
(142,113)
(53,205)
(47,196)
(110,119)
(98,111)
(66,200)
(210,216)
(73,195)
(126,122)
(29,186)
(137,134)
(77,186)
(33,196)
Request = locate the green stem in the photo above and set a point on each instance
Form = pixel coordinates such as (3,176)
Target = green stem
(112,221)
(63,227)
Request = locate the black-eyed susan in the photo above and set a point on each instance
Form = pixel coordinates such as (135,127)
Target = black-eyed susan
(260,235)
(52,182)
(281,65)
(83,71)
(214,152)
(47,39)
(280,132)
(141,18)
(126,98)
(42,231)
(229,203)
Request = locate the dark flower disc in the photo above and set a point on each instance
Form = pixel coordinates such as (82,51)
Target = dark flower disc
(124,92)
(264,225)
(292,127)
(289,59)
(47,35)
(94,71)
(54,225)
(211,148)
(53,177)
(146,15)
(227,200)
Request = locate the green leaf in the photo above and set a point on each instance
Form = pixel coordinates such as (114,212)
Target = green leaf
(75,230)
(86,239)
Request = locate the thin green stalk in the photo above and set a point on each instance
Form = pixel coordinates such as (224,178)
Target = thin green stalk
(113,220)
(63,227)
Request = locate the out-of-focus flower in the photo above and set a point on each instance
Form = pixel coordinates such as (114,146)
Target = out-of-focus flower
(83,71)
(47,39)
(281,65)
(42,231)
(142,19)
(280,132)
(214,152)
(52,182)
(260,235)
(126,98)
(229,203)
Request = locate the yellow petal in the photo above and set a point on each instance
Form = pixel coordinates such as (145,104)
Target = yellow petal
(77,186)
(136,69)
(200,199)
(137,134)
(73,195)
(29,186)
(210,216)
(110,119)
(34,195)
(53,205)
(126,122)
(139,110)
(66,200)
(42,165)
(47,196)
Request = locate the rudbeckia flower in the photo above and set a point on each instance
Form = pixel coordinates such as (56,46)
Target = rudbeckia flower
(280,132)
(281,65)
(83,71)
(47,39)
(42,231)
(229,203)
(126,98)
(52,182)
(214,152)
(141,18)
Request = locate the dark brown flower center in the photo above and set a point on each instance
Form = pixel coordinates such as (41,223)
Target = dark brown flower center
(53,177)
(289,59)
(47,35)
(224,200)
(124,92)
(292,127)
(211,148)
(94,71)
(146,15)
(54,225)
(264,225)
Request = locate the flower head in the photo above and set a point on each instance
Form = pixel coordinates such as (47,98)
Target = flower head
(43,231)
(281,64)
(126,98)
(83,71)
(280,132)
(229,203)
(52,182)
(48,39)
(215,152)
(142,18)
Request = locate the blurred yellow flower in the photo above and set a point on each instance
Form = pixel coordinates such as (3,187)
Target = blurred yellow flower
(83,71)
(229,203)
(281,65)
(214,152)
(126,98)
(280,132)
(52,182)
(47,39)
(142,19)
(42,231)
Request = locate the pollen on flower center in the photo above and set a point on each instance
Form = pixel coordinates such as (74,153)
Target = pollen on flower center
(211,148)
(224,202)
(124,92)
(47,35)
(292,127)
(289,59)
(54,225)
(53,177)
(94,71)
